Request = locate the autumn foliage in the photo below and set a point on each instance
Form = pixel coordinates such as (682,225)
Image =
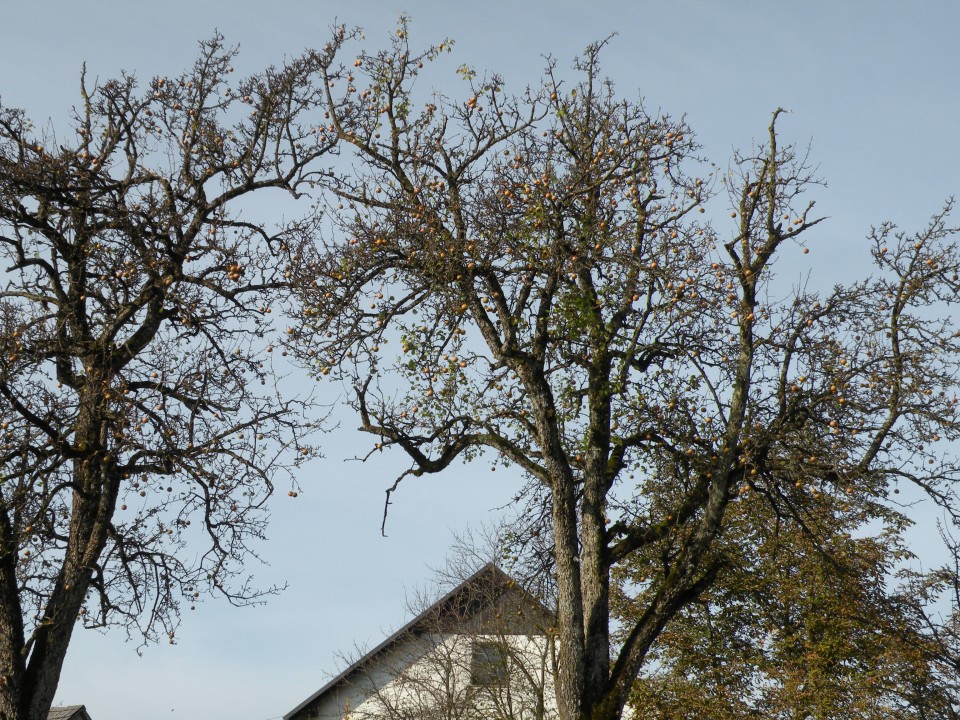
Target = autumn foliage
(533,279)
(142,427)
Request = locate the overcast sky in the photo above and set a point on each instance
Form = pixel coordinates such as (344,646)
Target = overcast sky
(870,85)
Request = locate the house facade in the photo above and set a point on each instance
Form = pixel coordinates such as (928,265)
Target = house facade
(482,650)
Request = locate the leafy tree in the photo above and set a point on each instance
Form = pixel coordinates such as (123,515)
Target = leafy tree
(142,429)
(799,624)
(530,278)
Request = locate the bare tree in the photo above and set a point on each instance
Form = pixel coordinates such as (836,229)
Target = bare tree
(530,279)
(142,428)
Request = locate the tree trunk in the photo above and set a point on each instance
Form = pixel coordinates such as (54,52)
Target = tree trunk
(30,670)
(570,675)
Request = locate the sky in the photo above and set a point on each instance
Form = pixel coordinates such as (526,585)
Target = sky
(869,85)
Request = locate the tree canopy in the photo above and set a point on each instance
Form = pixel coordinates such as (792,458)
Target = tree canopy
(531,278)
(142,427)
(807,619)
(539,279)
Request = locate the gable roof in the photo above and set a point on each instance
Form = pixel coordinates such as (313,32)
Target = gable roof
(465,603)
(68,712)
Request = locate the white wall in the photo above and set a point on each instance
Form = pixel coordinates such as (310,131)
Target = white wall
(429,678)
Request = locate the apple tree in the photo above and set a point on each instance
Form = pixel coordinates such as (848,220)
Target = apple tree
(531,279)
(141,428)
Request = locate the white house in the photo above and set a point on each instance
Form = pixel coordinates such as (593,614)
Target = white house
(482,650)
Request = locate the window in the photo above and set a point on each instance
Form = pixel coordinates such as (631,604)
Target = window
(489,664)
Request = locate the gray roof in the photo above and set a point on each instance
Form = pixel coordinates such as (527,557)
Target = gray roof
(69,712)
(463,601)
